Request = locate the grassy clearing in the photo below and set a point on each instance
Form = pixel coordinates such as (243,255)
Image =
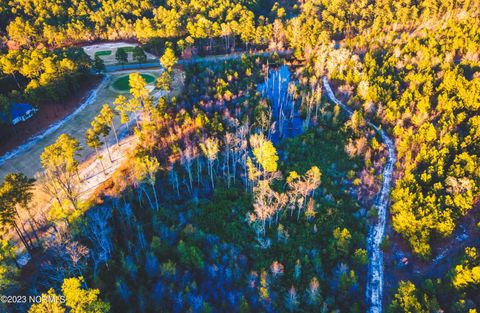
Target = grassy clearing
(103,53)
(122,83)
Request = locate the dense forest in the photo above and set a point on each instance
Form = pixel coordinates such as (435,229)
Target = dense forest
(250,190)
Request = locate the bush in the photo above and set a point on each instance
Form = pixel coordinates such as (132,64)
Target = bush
(360,257)
(190,256)
(386,243)
(373,212)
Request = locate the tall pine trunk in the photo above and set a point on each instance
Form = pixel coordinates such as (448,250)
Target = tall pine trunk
(16,80)
(108,149)
(210,169)
(22,238)
(115,133)
(101,162)
(155,196)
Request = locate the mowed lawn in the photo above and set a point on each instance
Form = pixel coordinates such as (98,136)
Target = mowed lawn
(103,53)
(122,83)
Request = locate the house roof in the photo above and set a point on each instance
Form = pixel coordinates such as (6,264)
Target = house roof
(16,110)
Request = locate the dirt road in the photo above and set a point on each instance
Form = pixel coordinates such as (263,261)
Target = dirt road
(375,279)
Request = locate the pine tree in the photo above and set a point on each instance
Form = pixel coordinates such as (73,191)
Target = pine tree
(168,59)
(60,163)
(93,141)
(107,114)
(210,149)
(121,56)
(98,64)
(146,168)
(139,55)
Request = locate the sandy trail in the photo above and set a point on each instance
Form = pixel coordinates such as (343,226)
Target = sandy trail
(375,279)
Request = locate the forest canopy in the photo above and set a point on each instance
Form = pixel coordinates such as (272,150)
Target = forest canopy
(237,197)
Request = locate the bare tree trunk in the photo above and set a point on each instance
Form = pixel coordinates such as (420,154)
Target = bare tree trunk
(115,133)
(190,178)
(292,110)
(174,181)
(73,201)
(84,280)
(136,120)
(78,176)
(108,149)
(31,216)
(155,196)
(187,165)
(34,231)
(26,236)
(101,162)
(22,238)
(234,167)
(210,168)
(16,80)
(227,161)
(148,197)
(56,193)
(245,173)
(199,170)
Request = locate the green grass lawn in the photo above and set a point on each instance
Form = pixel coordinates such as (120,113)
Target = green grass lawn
(122,83)
(103,53)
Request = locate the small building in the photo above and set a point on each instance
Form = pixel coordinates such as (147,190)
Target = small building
(19,112)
